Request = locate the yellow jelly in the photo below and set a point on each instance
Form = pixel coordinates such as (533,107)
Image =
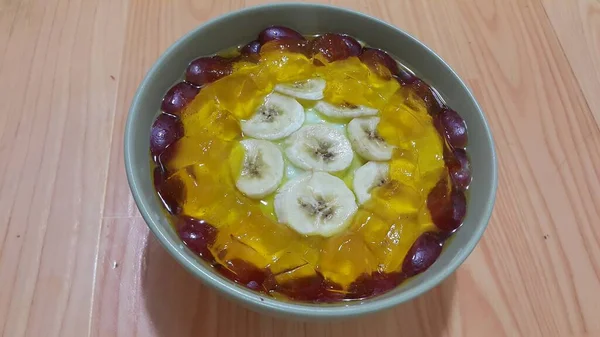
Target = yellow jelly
(381,232)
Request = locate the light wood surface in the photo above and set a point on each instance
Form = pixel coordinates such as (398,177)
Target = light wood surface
(77,260)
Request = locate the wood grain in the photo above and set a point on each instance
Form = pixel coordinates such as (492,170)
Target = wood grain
(77,260)
(56,124)
(580,18)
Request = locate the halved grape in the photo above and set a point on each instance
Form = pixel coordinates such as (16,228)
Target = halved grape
(252,48)
(452,127)
(432,101)
(170,190)
(165,131)
(380,62)
(178,97)
(278,33)
(197,235)
(459,168)
(422,254)
(447,205)
(208,69)
(334,47)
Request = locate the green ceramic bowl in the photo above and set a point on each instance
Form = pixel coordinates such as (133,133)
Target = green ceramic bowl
(242,26)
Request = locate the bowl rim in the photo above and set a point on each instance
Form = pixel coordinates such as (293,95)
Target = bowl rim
(248,297)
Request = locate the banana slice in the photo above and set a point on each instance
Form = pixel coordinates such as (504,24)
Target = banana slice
(278,117)
(365,140)
(370,175)
(320,147)
(344,111)
(311,89)
(315,204)
(262,168)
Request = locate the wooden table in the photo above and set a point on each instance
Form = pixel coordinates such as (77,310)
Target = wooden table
(76,259)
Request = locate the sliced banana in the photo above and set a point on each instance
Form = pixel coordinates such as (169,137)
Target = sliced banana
(365,140)
(262,168)
(278,117)
(311,89)
(315,204)
(344,111)
(370,175)
(319,147)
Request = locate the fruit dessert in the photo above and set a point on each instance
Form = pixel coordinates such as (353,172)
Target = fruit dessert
(310,168)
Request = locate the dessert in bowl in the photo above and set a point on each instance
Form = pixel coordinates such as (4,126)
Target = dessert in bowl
(313,169)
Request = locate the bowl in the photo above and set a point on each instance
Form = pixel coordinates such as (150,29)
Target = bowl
(238,28)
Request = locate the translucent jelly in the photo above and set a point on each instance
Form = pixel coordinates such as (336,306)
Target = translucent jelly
(396,234)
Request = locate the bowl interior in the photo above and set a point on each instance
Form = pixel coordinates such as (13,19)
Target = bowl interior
(243,26)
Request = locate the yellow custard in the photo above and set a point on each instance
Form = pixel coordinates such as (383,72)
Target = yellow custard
(380,233)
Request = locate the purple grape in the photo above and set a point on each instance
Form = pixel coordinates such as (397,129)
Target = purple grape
(244,272)
(459,168)
(159,176)
(178,97)
(294,46)
(208,69)
(432,101)
(452,127)
(309,289)
(376,58)
(335,47)
(366,286)
(278,33)
(447,205)
(252,48)
(422,254)
(198,236)
(354,47)
(165,131)
(405,78)
(170,190)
